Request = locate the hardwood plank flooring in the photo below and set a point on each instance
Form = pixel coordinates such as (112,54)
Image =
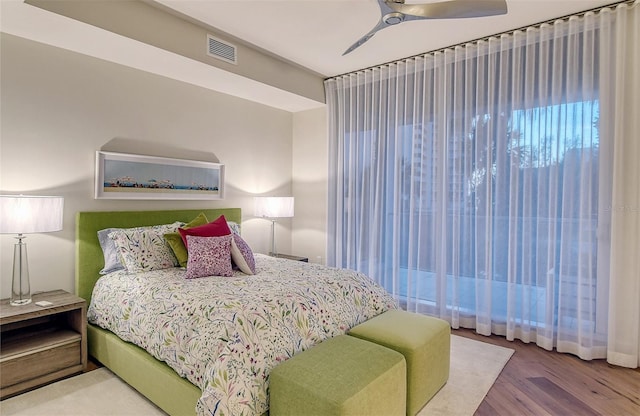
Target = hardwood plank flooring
(536,382)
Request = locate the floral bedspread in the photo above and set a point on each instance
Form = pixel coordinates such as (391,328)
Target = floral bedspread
(225,334)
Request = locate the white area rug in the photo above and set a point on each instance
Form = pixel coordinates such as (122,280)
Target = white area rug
(474,368)
(97,392)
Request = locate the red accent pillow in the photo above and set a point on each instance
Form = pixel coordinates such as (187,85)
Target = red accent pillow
(217,228)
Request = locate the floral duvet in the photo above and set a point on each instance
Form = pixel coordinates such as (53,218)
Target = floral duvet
(224,334)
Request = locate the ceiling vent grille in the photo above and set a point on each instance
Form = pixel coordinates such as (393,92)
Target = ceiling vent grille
(221,50)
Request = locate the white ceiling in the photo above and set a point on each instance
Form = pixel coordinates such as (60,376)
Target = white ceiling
(315,33)
(310,33)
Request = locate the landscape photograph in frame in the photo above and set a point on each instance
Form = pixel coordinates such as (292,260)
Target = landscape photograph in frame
(129,176)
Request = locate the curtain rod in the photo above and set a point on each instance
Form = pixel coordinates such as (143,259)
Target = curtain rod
(484,38)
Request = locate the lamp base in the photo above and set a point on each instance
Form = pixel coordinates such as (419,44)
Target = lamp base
(20,289)
(273,252)
(20,302)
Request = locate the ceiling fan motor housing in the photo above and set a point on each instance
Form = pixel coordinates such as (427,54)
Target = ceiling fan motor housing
(393,18)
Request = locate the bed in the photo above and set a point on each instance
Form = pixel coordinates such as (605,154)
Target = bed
(179,394)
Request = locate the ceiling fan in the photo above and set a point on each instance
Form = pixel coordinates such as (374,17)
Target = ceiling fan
(393,12)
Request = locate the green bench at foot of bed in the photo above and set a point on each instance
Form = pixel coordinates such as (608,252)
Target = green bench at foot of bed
(340,376)
(425,344)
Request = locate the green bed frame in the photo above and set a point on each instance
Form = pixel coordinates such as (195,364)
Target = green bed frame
(152,378)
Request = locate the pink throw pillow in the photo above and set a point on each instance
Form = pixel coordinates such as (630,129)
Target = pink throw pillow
(209,256)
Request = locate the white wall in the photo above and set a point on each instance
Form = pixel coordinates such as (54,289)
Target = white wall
(59,107)
(310,167)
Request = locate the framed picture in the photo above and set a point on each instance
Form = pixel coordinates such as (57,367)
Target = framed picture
(129,176)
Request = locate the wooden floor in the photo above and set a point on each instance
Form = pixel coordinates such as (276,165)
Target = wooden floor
(540,382)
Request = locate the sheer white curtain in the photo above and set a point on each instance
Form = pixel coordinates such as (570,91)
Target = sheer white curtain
(621,109)
(495,184)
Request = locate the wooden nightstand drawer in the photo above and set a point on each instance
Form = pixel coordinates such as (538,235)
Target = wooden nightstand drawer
(42,361)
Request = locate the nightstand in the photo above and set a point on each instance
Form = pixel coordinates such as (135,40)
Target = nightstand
(41,344)
(290,257)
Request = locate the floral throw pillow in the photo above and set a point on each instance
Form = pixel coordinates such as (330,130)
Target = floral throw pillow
(209,256)
(142,249)
(242,255)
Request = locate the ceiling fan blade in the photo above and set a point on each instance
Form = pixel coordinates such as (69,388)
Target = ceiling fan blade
(393,12)
(452,9)
(362,40)
(384,10)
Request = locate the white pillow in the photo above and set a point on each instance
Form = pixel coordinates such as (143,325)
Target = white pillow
(111,259)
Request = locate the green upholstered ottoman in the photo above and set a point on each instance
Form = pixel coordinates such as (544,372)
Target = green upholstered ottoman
(340,376)
(425,343)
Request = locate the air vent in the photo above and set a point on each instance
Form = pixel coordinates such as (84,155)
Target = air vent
(221,50)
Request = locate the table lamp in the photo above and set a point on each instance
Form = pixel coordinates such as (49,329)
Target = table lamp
(22,214)
(273,207)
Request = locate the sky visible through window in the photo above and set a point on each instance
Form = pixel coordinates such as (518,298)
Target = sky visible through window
(549,132)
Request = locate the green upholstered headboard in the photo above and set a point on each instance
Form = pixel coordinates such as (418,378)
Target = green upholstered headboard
(89,258)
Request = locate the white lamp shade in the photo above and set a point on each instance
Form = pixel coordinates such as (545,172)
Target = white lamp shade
(273,207)
(22,214)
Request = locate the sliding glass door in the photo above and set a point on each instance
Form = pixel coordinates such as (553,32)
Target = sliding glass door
(473,185)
